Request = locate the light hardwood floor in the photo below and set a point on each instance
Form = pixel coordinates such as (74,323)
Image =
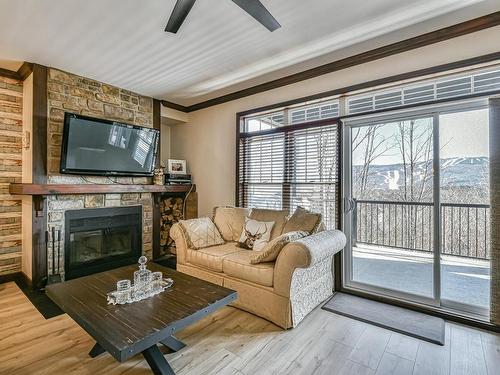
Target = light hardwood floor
(234,342)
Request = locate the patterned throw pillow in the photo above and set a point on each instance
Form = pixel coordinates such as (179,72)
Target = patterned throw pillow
(303,219)
(255,234)
(201,233)
(272,249)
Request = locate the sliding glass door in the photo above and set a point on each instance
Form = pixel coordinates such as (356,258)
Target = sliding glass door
(416,206)
(464,194)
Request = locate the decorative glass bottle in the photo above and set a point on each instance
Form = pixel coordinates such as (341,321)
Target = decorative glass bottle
(142,280)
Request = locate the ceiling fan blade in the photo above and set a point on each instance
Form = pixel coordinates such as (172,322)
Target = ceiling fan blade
(259,12)
(179,14)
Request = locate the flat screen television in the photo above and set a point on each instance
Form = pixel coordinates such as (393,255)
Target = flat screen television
(94,146)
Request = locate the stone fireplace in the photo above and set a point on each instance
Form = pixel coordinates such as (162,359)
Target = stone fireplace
(62,207)
(101,239)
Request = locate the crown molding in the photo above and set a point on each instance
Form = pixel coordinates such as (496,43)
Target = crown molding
(21,74)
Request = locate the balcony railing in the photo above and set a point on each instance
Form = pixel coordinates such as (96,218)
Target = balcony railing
(409,225)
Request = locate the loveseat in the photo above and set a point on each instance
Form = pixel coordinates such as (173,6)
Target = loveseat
(283,291)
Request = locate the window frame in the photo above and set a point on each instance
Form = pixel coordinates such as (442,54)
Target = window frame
(287,182)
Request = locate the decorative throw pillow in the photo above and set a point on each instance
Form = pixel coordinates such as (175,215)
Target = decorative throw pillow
(255,234)
(201,233)
(303,219)
(271,250)
(278,216)
(229,221)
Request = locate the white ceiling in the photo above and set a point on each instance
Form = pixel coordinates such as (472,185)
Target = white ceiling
(218,49)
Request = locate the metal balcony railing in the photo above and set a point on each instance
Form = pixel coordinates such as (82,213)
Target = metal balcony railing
(409,225)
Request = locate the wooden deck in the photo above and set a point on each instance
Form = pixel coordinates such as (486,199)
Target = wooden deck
(231,341)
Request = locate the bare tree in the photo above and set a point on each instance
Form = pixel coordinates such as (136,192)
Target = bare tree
(414,143)
(373,144)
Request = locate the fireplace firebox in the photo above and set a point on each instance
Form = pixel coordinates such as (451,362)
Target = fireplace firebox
(101,239)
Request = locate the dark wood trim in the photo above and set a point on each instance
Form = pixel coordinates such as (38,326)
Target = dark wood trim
(450,32)
(25,70)
(18,277)
(68,189)
(21,74)
(156,235)
(10,277)
(382,81)
(157,126)
(39,174)
(462,319)
(39,124)
(175,106)
(8,73)
(237,202)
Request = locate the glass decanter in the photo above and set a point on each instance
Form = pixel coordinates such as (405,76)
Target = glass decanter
(142,279)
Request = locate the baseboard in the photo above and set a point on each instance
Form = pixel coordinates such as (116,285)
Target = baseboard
(10,277)
(19,278)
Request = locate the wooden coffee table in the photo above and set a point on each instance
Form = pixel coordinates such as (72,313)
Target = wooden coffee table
(126,330)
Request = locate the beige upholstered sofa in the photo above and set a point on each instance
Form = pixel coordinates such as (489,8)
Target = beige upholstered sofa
(284,291)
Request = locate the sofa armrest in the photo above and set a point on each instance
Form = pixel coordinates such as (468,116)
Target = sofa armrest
(181,245)
(305,253)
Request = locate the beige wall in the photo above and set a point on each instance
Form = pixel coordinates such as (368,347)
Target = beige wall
(165,136)
(207,140)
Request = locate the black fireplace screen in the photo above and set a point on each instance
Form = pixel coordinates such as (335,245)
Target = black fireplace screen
(101,239)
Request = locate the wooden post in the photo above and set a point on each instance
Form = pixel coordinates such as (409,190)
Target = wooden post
(39,218)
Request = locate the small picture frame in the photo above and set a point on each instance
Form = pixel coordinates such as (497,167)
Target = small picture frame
(176,166)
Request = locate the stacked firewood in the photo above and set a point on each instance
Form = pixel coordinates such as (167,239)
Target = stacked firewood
(171,209)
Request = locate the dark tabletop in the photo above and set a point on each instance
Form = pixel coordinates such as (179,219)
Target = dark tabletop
(125,330)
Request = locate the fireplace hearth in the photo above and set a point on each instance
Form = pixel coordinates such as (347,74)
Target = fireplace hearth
(101,239)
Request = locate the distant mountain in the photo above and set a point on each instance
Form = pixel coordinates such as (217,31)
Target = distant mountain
(455,172)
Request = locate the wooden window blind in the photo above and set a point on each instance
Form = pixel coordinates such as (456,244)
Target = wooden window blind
(291,166)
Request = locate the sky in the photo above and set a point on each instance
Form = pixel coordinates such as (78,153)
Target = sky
(462,134)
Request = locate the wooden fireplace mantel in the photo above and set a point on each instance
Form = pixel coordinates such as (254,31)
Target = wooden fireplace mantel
(68,189)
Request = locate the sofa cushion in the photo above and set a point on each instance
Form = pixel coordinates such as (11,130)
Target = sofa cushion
(211,257)
(303,219)
(201,233)
(230,220)
(270,252)
(278,216)
(255,234)
(238,266)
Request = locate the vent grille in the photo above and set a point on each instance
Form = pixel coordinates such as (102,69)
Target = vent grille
(314,113)
(427,92)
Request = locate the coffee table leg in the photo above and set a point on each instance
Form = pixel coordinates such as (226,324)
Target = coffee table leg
(96,350)
(157,361)
(173,343)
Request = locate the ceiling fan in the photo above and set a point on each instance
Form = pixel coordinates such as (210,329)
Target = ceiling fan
(252,7)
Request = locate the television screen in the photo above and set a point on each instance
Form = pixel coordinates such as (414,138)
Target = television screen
(101,147)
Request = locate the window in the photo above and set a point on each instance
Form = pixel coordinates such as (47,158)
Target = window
(291,116)
(283,167)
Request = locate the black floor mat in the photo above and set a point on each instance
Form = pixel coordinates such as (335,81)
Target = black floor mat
(40,300)
(408,322)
